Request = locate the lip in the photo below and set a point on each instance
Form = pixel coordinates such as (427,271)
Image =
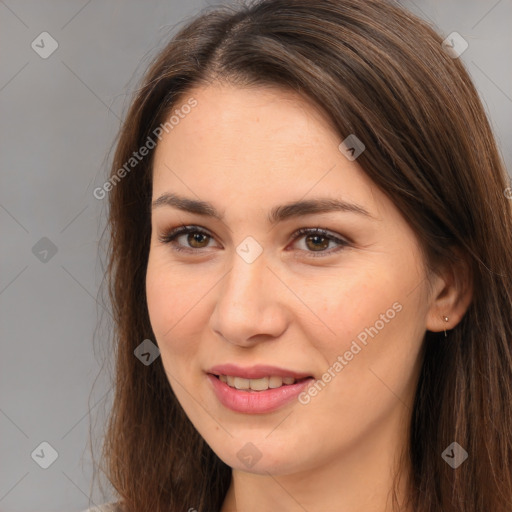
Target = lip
(255,372)
(256,402)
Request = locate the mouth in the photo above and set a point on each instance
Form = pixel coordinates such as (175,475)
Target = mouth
(256,396)
(260,384)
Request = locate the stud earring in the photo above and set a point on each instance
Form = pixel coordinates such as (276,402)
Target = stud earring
(445,318)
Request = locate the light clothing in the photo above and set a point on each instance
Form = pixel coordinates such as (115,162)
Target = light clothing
(106,507)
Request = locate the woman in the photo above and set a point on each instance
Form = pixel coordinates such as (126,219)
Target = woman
(310,271)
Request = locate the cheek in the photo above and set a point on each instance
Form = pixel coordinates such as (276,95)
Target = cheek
(346,304)
(174,306)
(365,317)
(375,348)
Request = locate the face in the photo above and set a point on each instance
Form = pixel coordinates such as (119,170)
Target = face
(344,301)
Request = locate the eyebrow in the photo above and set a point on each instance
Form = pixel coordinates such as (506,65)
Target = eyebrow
(277,214)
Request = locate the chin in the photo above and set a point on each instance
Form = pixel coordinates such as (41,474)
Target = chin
(252,457)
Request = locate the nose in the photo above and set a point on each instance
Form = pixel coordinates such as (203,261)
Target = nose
(250,305)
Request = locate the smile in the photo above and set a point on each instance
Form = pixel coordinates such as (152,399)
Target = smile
(239,396)
(262,384)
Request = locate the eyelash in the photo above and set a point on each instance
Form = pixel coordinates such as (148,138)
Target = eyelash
(170,236)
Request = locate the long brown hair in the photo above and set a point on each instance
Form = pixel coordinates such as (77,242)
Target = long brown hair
(380,73)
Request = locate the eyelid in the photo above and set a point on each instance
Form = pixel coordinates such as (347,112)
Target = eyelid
(321,231)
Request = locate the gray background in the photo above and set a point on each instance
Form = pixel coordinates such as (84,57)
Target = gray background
(58,118)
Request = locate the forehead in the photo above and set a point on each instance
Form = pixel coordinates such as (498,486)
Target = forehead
(242,118)
(256,144)
(231,126)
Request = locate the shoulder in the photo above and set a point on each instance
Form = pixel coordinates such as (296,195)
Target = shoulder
(106,507)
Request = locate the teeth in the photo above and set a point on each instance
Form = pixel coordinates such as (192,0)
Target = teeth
(259,384)
(242,383)
(256,384)
(275,382)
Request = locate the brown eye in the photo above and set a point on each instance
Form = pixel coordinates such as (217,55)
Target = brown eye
(196,239)
(317,242)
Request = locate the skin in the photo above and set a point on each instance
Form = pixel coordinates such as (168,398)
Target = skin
(246,150)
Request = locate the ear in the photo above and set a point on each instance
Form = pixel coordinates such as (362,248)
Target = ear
(452,292)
